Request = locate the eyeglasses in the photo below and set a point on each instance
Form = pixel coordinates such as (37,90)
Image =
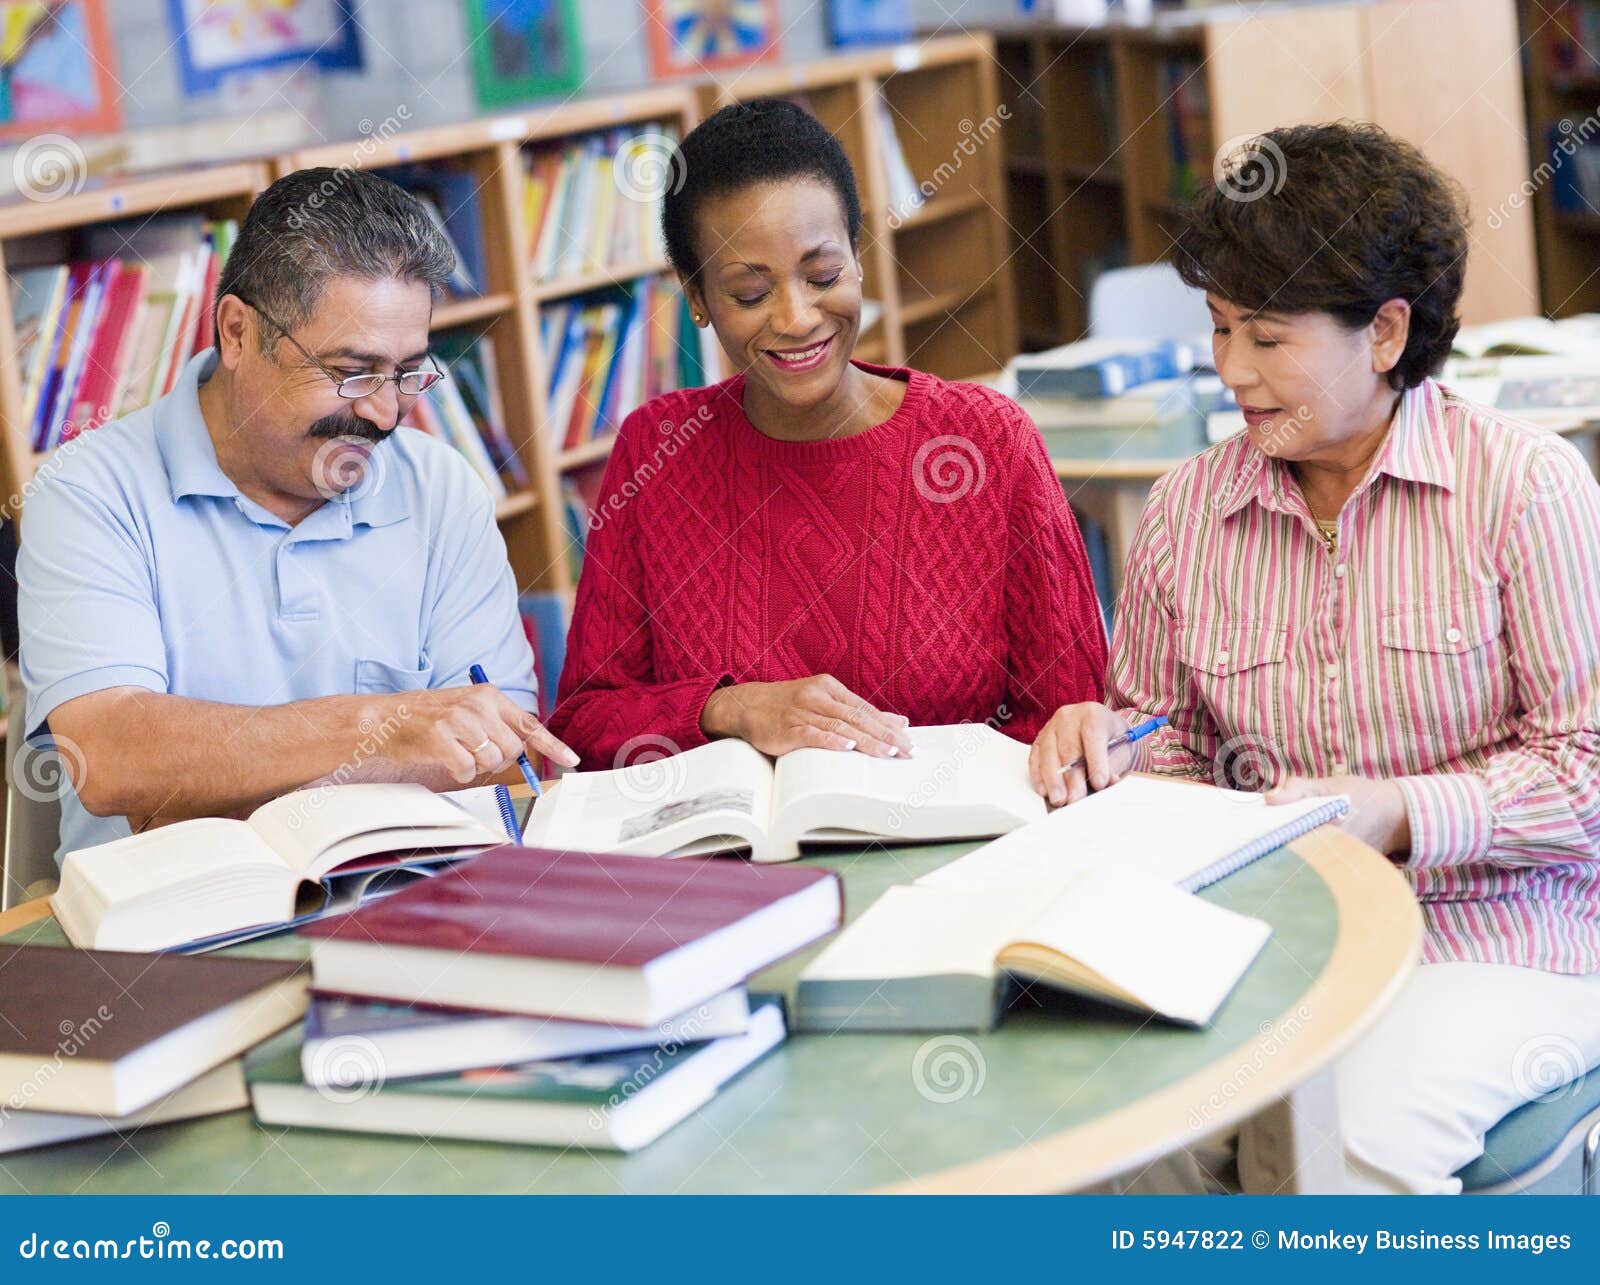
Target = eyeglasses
(411,383)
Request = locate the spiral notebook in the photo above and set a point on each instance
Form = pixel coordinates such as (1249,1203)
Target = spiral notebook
(1182,833)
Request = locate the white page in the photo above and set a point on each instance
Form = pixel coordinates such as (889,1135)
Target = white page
(958,764)
(1175,953)
(304,824)
(925,932)
(657,807)
(1167,829)
(173,856)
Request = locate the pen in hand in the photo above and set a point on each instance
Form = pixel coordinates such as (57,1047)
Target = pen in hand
(528,774)
(1136,733)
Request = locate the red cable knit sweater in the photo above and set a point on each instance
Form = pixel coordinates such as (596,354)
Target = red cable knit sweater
(930,563)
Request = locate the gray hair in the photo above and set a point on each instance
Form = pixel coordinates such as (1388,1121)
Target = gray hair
(315,226)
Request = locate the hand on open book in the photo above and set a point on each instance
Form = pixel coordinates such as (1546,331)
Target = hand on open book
(1377,815)
(445,737)
(1078,733)
(818,711)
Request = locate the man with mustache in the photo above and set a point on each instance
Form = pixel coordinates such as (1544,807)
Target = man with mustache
(260,581)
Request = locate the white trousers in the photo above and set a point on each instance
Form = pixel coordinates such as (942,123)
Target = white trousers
(1462,1045)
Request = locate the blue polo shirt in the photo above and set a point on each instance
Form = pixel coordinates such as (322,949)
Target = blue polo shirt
(142,565)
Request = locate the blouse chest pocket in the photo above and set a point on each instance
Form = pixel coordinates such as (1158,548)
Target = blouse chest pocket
(1237,669)
(1446,652)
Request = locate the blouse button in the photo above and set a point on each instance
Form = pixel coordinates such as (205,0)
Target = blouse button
(1339,571)
(1222,658)
(1452,634)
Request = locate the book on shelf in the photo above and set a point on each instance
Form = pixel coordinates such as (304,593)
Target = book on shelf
(323,848)
(109,1033)
(612,351)
(1571,38)
(595,202)
(962,781)
(945,958)
(1187,107)
(592,937)
(1101,367)
(465,410)
(544,621)
(344,1038)
(900,183)
(109,332)
(613,1101)
(216,1092)
(449,197)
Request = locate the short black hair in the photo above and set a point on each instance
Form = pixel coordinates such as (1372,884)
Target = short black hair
(315,225)
(766,140)
(1334,218)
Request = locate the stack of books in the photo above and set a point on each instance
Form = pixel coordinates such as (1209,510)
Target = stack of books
(1187,106)
(449,196)
(110,331)
(611,352)
(545,997)
(99,1042)
(465,409)
(595,202)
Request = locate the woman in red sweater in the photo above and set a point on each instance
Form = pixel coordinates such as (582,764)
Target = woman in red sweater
(816,551)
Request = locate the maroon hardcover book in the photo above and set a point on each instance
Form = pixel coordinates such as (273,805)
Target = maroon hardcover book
(582,907)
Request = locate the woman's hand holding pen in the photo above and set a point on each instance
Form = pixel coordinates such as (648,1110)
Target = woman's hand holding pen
(1073,753)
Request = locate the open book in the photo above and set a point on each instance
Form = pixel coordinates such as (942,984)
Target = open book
(1179,832)
(925,958)
(308,851)
(962,781)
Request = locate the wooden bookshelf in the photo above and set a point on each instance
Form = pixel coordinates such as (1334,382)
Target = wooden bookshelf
(47,231)
(1088,158)
(491,149)
(941,271)
(1569,243)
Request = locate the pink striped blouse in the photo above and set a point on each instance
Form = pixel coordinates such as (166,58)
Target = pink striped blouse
(1451,643)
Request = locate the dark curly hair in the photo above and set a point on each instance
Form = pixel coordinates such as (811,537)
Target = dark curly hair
(766,140)
(1334,218)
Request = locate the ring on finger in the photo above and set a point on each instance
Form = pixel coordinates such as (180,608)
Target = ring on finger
(481,746)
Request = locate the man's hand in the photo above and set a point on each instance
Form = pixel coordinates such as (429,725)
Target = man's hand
(448,737)
(1377,813)
(1078,732)
(819,711)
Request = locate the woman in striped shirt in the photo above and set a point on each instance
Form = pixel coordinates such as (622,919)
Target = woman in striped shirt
(1380,590)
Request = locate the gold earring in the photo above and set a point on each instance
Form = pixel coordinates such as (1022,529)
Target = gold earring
(698,319)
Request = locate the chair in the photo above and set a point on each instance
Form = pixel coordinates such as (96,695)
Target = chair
(1544,1147)
(1147,302)
(33,820)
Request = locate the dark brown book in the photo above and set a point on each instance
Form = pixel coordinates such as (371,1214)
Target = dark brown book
(93,1032)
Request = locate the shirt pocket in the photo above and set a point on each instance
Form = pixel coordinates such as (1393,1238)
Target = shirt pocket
(1238,671)
(379,676)
(1445,655)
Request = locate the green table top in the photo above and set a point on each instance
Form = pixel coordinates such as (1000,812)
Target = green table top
(824,1113)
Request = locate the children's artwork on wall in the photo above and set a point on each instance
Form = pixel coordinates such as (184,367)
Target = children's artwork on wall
(56,69)
(217,38)
(692,36)
(868,22)
(523,49)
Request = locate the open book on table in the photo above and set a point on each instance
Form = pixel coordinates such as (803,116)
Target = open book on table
(310,851)
(962,781)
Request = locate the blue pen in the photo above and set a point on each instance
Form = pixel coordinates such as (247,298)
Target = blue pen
(528,774)
(1133,734)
